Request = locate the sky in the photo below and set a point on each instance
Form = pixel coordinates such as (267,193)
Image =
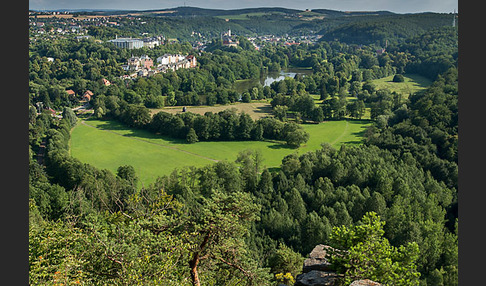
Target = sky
(396,6)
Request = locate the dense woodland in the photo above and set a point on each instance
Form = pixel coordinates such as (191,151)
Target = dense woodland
(237,222)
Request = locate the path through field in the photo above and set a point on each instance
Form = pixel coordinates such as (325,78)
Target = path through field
(342,134)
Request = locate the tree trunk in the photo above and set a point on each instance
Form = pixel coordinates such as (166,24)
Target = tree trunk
(195,261)
(193,265)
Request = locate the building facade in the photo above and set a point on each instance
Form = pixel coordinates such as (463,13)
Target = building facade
(127,43)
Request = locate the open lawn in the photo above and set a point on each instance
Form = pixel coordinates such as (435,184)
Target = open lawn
(412,84)
(108,145)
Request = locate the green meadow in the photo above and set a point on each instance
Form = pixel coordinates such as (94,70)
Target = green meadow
(246,16)
(108,145)
(410,85)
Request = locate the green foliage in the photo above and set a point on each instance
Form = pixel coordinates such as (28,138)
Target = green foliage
(191,136)
(294,135)
(398,78)
(376,30)
(285,260)
(280,112)
(363,253)
(69,115)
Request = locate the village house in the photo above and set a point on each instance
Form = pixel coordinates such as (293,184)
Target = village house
(137,63)
(192,61)
(170,59)
(87,95)
(106,82)
(71,93)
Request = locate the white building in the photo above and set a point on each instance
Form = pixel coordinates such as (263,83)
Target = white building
(127,43)
(170,59)
(151,42)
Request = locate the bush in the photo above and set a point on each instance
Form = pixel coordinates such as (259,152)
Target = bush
(398,78)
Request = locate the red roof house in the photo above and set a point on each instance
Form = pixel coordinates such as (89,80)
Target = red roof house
(71,92)
(87,95)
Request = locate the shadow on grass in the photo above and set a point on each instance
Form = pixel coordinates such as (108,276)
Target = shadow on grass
(114,126)
(280,146)
(364,125)
(263,109)
(274,169)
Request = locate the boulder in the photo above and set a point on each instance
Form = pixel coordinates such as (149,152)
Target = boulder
(316,278)
(318,259)
(320,251)
(316,264)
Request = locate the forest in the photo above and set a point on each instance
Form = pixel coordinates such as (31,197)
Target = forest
(239,223)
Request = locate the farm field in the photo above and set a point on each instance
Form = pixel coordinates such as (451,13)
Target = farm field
(246,16)
(108,145)
(412,84)
(256,109)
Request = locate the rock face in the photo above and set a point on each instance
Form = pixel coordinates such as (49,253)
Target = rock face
(316,278)
(317,259)
(317,270)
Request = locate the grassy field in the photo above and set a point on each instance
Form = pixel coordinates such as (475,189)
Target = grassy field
(412,84)
(256,109)
(108,145)
(246,16)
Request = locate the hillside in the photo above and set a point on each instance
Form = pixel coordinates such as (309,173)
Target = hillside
(351,27)
(375,30)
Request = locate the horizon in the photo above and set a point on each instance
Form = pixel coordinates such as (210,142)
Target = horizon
(394,6)
(157,9)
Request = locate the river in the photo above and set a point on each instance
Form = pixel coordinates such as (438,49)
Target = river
(244,85)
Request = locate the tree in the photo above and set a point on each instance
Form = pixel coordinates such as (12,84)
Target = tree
(219,226)
(317,114)
(251,164)
(294,135)
(356,109)
(280,112)
(191,136)
(127,172)
(69,115)
(246,97)
(245,126)
(323,94)
(282,87)
(285,260)
(398,78)
(99,112)
(257,132)
(362,252)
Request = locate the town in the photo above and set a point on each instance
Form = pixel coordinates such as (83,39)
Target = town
(66,24)
(144,65)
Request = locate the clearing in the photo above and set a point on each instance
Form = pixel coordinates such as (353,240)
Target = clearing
(412,84)
(256,109)
(109,144)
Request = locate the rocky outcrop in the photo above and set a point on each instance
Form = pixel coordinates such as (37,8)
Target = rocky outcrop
(317,270)
(316,278)
(317,259)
